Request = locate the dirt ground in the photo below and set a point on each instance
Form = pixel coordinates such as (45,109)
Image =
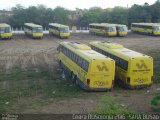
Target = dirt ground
(29,52)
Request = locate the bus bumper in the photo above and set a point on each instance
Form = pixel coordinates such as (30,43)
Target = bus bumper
(37,35)
(132,87)
(137,86)
(156,33)
(122,34)
(6,35)
(64,35)
(88,89)
(112,34)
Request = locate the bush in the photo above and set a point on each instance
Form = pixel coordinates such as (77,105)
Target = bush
(155,103)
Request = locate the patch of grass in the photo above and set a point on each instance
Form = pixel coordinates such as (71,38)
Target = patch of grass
(33,82)
(155,103)
(110,106)
(156,57)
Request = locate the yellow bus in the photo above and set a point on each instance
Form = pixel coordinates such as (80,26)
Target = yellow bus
(122,30)
(59,30)
(33,30)
(102,29)
(89,69)
(133,69)
(5,31)
(147,28)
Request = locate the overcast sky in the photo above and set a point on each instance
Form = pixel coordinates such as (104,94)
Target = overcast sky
(72,4)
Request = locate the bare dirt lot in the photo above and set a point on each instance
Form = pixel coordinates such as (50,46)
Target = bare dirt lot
(28,52)
(25,51)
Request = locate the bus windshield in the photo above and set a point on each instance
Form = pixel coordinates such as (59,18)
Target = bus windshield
(64,30)
(111,29)
(122,28)
(157,28)
(5,30)
(37,30)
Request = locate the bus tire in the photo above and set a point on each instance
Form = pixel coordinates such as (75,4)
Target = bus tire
(111,89)
(76,81)
(72,76)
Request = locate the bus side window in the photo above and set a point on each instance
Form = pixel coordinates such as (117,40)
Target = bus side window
(69,54)
(73,57)
(76,58)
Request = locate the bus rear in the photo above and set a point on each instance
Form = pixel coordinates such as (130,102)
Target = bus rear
(122,30)
(64,32)
(111,31)
(140,72)
(101,74)
(156,30)
(5,32)
(37,32)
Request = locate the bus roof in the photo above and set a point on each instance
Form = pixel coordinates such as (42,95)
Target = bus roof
(4,25)
(32,25)
(103,25)
(119,50)
(147,24)
(114,24)
(83,50)
(58,25)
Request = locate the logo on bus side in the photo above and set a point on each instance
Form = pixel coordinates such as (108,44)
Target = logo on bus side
(141,65)
(102,67)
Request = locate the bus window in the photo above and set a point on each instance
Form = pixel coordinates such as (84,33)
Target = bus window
(2,30)
(8,29)
(37,30)
(122,29)
(65,30)
(157,28)
(5,30)
(111,29)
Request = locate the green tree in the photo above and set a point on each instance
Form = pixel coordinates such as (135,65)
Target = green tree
(61,15)
(90,16)
(139,13)
(155,11)
(118,15)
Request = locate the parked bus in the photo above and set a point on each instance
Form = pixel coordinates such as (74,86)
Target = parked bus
(33,30)
(122,30)
(102,29)
(147,28)
(59,30)
(133,69)
(5,31)
(89,69)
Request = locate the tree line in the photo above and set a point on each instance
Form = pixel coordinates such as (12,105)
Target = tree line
(82,17)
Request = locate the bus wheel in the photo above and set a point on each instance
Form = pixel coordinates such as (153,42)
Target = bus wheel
(110,90)
(76,81)
(72,76)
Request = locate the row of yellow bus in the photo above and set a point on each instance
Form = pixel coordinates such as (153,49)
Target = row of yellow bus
(107,29)
(36,31)
(97,66)
(146,28)
(62,31)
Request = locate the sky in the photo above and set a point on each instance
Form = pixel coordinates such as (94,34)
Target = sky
(72,4)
